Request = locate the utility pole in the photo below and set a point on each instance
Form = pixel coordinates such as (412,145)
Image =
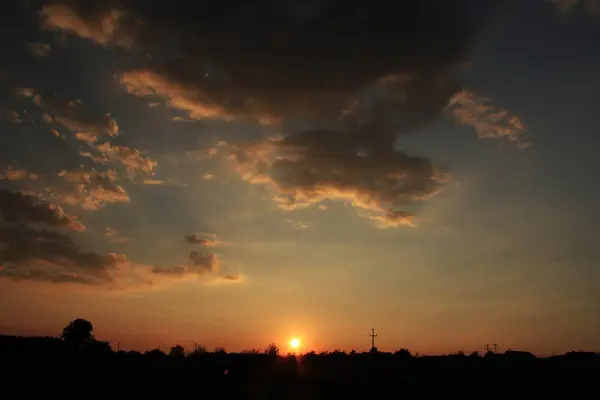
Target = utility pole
(495,348)
(373,336)
(487,348)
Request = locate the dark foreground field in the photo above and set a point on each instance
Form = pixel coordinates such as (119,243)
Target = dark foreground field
(50,367)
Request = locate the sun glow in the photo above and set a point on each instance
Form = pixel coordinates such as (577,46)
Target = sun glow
(295,343)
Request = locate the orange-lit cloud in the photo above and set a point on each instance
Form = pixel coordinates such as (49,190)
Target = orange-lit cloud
(18,174)
(301,174)
(131,159)
(90,190)
(196,104)
(102,29)
(488,120)
(154,182)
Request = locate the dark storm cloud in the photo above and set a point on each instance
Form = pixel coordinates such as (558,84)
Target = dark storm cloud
(44,255)
(273,59)
(18,207)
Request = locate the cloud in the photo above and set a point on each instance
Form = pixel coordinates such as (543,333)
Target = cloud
(203,263)
(131,159)
(179,272)
(101,28)
(29,93)
(150,84)
(259,62)
(44,255)
(70,114)
(393,219)
(203,267)
(360,74)
(204,239)
(488,120)
(91,128)
(308,168)
(200,265)
(40,49)
(18,174)
(91,190)
(19,207)
(154,182)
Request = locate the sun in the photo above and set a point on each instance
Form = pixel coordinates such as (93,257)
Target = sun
(295,343)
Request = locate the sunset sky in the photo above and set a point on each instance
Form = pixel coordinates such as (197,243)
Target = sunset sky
(235,174)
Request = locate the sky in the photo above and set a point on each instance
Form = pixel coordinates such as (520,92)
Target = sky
(234,174)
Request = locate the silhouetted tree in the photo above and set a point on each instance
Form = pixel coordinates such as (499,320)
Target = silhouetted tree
(177,351)
(78,332)
(272,350)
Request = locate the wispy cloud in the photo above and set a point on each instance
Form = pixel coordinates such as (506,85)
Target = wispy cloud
(488,120)
(102,30)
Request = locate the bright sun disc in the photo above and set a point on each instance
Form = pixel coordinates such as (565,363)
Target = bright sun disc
(294,343)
